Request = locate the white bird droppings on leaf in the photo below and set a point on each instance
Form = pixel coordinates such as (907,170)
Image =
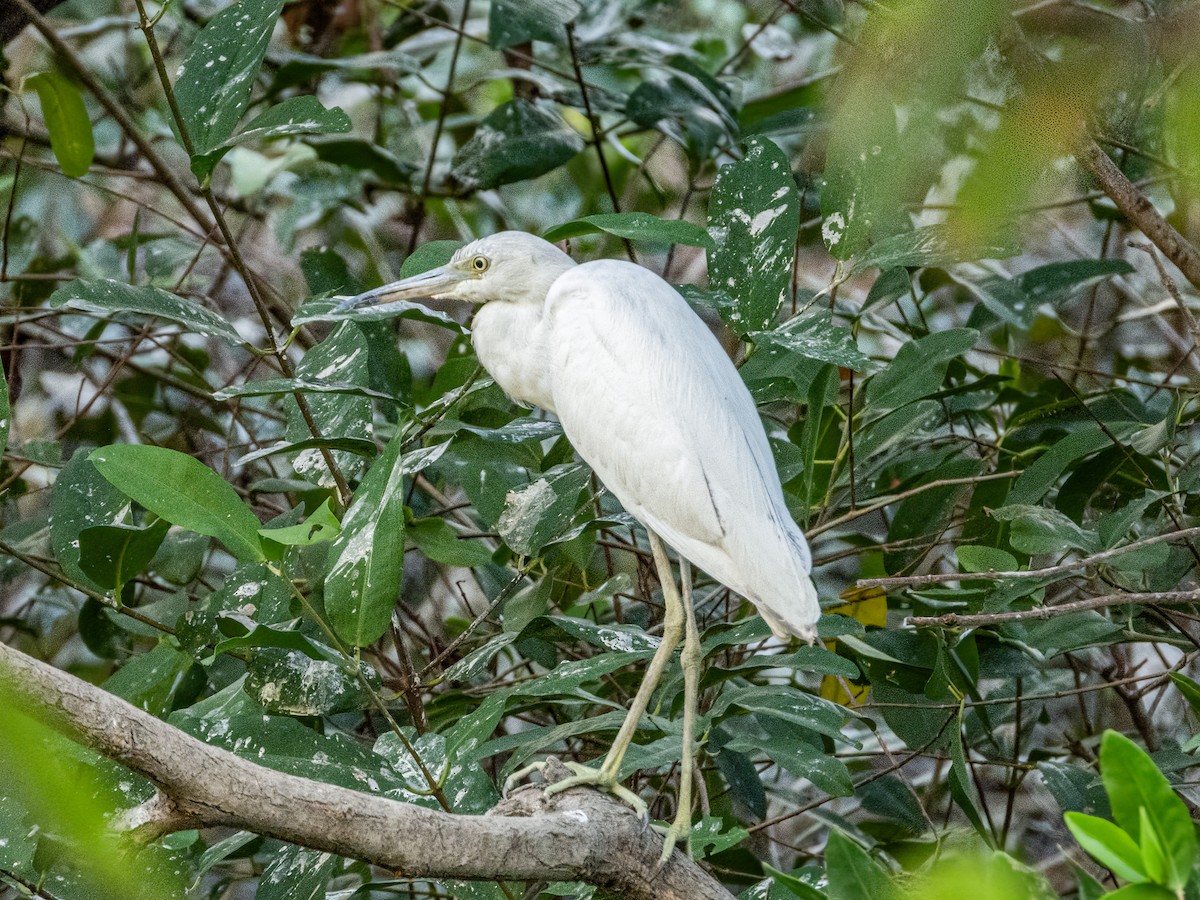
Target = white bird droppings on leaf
(523,510)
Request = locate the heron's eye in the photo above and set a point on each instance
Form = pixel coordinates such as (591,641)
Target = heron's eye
(479,264)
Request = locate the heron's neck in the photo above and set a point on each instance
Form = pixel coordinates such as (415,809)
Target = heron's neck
(510,341)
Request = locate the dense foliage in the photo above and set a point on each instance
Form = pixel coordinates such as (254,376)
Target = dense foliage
(338,549)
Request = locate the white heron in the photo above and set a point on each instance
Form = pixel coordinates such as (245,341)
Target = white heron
(650,400)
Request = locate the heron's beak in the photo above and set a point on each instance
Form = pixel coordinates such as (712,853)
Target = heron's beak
(434,284)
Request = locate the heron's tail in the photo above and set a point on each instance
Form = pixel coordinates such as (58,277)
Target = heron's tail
(797,614)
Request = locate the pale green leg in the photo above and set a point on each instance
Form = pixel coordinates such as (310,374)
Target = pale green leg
(691,658)
(673,627)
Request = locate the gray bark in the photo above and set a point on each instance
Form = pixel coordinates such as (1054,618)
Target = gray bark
(579,835)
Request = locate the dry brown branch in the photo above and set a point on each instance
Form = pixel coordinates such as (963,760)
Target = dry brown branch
(580,835)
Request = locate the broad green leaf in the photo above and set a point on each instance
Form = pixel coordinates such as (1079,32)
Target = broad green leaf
(113,554)
(815,337)
(67,121)
(321,526)
(185,492)
(933,245)
(712,835)
(753,218)
(296,873)
(357,446)
(1016,300)
(1143,891)
(1154,858)
(512,22)
(536,515)
(687,104)
(295,115)
(919,368)
(438,541)
(920,519)
(783,747)
(852,873)
(787,704)
(366,560)
(81,498)
(428,256)
(962,787)
(636,226)
(1039,529)
(1044,472)
(1108,845)
(1135,783)
(1189,689)
(108,296)
(1077,789)
(985,559)
(516,141)
(268,387)
(213,85)
(291,682)
(155,681)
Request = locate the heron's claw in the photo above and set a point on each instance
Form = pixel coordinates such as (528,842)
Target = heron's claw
(679,830)
(603,780)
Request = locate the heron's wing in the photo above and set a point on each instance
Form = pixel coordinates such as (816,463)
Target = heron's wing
(650,400)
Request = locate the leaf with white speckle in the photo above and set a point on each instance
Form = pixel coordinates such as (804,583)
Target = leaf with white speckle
(106,295)
(753,218)
(81,498)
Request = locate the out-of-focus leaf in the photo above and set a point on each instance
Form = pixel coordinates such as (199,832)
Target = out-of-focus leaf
(753,218)
(155,681)
(985,559)
(5,412)
(67,121)
(537,514)
(363,156)
(816,337)
(112,554)
(918,368)
(1041,475)
(962,788)
(512,22)
(213,85)
(105,295)
(366,560)
(1189,689)
(687,104)
(1037,529)
(516,141)
(1108,845)
(1075,788)
(636,226)
(184,491)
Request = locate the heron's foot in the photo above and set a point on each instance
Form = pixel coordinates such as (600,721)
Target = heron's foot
(604,780)
(679,830)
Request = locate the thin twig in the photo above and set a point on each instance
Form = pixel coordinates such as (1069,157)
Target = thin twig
(964,620)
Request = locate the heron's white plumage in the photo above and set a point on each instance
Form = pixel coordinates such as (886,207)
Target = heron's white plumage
(649,399)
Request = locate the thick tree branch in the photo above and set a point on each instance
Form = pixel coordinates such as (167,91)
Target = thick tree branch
(1140,211)
(580,835)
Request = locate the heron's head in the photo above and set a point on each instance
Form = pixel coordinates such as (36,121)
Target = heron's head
(507,267)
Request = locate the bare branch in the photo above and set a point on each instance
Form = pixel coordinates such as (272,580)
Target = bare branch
(579,835)
(951,620)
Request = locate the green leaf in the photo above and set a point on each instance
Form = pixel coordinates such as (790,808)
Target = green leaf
(5,411)
(712,835)
(366,561)
(111,555)
(962,787)
(291,682)
(512,22)
(1016,300)
(787,704)
(438,541)
(108,296)
(1134,783)
(516,141)
(358,446)
(537,514)
(154,681)
(933,245)
(1189,689)
(296,873)
(81,498)
(1045,471)
(919,368)
(214,83)
(183,491)
(688,105)
(1108,845)
(783,747)
(852,873)
(268,387)
(67,121)
(636,226)
(321,526)
(1038,529)
(815,337)
(985,559)
(1077,789)
(753,217)
(295,115)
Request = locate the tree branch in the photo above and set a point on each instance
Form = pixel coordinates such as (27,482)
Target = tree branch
(950,620)
(1139,210)
(579,835)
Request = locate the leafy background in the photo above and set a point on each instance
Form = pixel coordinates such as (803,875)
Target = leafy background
(976,378)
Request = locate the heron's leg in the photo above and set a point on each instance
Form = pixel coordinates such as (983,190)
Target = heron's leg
(690,659)
(673,627)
